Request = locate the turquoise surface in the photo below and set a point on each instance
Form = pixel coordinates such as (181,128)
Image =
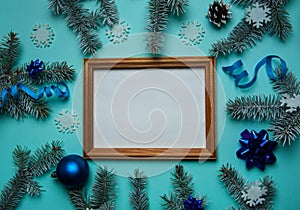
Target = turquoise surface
(21,17)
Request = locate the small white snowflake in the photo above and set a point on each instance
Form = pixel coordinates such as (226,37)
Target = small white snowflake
(258,14)
(118,32)
(42,35)
(253,193)
(67,121)
(191,33)
(292,102)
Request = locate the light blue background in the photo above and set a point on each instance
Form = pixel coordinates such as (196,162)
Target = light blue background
(21,16)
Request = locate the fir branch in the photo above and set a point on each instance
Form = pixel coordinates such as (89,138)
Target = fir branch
(107,206)
(108,12)
(138,196)
(21,157)
(54,72)
(13,192)
(46,157)
(33,188)
(240,38)
(9,51)
(177,6)
(286,127)
(57,6)
(89,42)
(244,3)
(172,202)
(12,108)
(233,181)
(255,107)
(182,182)
(280,24)
(104,188)
(157,24)
(81,21)
(269,184)
(35,108)
(78,199)
(287,85)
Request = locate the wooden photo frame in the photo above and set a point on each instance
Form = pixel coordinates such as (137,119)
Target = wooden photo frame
(150,108)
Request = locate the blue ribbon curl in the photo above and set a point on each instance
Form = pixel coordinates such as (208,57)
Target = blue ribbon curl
(14,91)
(193,204)
(265,61)
(256,149)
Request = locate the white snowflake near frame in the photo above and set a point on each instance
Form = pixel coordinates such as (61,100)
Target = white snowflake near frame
(292,102)
(67,121)
(42,35)
(191,33)
(118,32)
(253,193)
(258,14)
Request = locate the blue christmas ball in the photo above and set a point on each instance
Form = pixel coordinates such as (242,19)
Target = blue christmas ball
(72,171)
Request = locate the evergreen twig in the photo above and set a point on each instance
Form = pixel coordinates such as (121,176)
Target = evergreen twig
(23,182)
(77,198)
(255,107)
(9,51)
(104,188)
(138,196)
(108,12)
(177,6)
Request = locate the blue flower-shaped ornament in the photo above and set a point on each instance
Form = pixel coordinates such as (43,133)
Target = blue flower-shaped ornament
(256,149)
(193,204)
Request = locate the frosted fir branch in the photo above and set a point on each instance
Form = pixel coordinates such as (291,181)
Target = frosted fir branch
(240,38)
(77,198)
(33,188)
(286,128)
(287,85)
(156,25)
(182,182)
(255,107)
(172,202)
(108,12)
(9,51)
(46,157)
(233,182)
(177,6)
(280,24)
(244,3)
(104,188)
(89,42)
(138,195)
(270,185)
(57,6)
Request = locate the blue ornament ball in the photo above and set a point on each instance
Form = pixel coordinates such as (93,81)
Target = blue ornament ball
(72,171)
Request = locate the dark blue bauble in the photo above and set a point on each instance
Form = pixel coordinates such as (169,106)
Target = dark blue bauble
(72,171)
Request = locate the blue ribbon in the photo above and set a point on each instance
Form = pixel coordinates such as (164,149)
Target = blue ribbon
(14,91)
(193,204)
(265,61)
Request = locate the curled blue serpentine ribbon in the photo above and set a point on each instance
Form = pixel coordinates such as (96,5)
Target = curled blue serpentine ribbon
(265,61)
(14,91)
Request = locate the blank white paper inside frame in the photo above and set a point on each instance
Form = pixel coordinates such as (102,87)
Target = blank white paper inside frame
(149,108)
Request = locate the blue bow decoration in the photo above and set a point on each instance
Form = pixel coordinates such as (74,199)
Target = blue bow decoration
(231,70)
(193,204)
(256,149)
(35,67)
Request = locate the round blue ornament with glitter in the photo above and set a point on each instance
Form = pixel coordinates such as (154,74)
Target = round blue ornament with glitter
(72,171)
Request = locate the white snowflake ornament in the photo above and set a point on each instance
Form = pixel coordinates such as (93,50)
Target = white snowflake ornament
(253,193)
(118,32)
(191,33)
(258,14)
(42,35)
(292,102)
(67,121)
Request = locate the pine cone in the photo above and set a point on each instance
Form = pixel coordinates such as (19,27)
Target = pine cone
(218,13)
